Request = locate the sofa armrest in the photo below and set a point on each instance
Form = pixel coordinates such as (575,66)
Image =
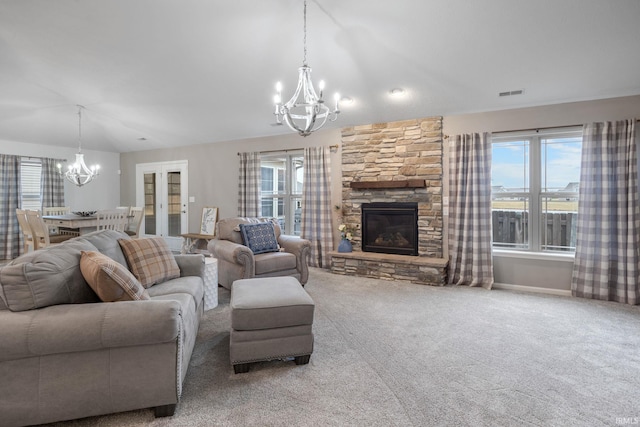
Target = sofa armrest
(190,264)
(85,327)
(234,253)
(301,248)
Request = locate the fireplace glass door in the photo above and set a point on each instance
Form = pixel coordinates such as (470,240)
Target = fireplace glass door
(390,228)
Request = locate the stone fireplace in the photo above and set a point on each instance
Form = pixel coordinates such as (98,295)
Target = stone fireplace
(394,163)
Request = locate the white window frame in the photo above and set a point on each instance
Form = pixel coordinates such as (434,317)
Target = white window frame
(535,193)
(289,195)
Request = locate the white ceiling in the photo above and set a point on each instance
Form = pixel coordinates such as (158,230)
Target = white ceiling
(183,72)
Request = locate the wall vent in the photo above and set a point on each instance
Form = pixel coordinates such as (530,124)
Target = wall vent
(512,92)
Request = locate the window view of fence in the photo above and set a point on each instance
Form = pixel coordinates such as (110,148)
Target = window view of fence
(534,198)
(511,228)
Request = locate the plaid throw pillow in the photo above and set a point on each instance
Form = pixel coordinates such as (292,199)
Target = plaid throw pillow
(150,260)
(110,280)
(260,238)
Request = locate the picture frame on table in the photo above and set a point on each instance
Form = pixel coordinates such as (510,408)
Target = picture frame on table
(208,221)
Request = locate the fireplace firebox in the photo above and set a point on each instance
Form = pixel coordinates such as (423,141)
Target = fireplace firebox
(390,228)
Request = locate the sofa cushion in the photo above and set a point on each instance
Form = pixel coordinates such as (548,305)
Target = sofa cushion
(150,260)
(48,276)
(274,261)
(229,228)
(260,238)
(3,304)
(110,280)
(191,285)
(106,241)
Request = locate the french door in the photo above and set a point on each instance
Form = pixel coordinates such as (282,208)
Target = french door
(162,189)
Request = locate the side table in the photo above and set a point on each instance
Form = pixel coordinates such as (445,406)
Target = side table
(210,283)
(195,243)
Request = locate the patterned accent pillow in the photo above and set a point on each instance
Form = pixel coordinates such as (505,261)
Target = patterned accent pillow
(260,238)
(110,280)
(150,260)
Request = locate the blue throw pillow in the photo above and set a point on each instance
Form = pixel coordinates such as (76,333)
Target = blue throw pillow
(260,238)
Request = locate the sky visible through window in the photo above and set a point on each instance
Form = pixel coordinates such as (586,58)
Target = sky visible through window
(560,159)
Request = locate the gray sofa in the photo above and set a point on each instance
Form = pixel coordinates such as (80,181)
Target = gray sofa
(79,357)
(237,261)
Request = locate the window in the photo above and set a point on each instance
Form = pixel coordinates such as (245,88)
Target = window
(30,173)
(534,197)
(281,178)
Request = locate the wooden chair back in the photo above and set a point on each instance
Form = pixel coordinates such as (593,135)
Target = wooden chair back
(114,219)
(25,228)
(56,210)
(41,236)
(39,230)
(135,221)
(126,209)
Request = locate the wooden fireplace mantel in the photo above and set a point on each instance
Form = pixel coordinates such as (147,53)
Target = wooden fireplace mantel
(405,183)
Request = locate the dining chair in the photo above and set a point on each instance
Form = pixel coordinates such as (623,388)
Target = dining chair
(126,209)
(113,219)
(136,216)
(56,210)
(41,237)
(27,234)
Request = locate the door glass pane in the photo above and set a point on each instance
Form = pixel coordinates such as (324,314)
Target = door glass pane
(150,203)
(296,205)
(297,171)
(173,204)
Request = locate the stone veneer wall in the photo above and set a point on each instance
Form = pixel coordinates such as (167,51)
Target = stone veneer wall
(396,151)
(410,149)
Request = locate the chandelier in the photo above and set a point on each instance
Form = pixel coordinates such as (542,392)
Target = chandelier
(79,173)
(305,112)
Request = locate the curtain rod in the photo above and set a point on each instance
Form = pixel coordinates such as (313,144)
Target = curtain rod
(333,147)
(40,158)
(534,129)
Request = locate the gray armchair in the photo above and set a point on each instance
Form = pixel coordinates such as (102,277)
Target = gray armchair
(237,261)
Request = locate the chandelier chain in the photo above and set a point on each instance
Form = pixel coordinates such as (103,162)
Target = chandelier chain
(80,128)
(304,60)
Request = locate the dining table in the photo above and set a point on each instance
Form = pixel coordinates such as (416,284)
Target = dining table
(84,224)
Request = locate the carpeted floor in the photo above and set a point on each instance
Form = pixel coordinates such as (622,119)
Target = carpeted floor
(398,354)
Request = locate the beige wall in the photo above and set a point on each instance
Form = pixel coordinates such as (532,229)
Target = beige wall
(213,169)
(103,193)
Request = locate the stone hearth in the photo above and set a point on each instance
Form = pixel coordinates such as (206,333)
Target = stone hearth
(394,162)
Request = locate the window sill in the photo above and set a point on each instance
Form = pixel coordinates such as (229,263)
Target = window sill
(544,256)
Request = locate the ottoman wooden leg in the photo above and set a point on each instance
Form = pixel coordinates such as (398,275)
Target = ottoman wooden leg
(302,360)
(241,368)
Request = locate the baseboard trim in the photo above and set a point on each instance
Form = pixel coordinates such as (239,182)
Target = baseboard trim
(533,289)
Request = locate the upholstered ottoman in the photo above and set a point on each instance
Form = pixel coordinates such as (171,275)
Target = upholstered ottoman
(271,318)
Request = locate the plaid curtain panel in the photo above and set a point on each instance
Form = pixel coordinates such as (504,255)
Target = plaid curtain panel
(316,205)
(608,228)
(249,186)
(10,235)
(470,258)
(52,184)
